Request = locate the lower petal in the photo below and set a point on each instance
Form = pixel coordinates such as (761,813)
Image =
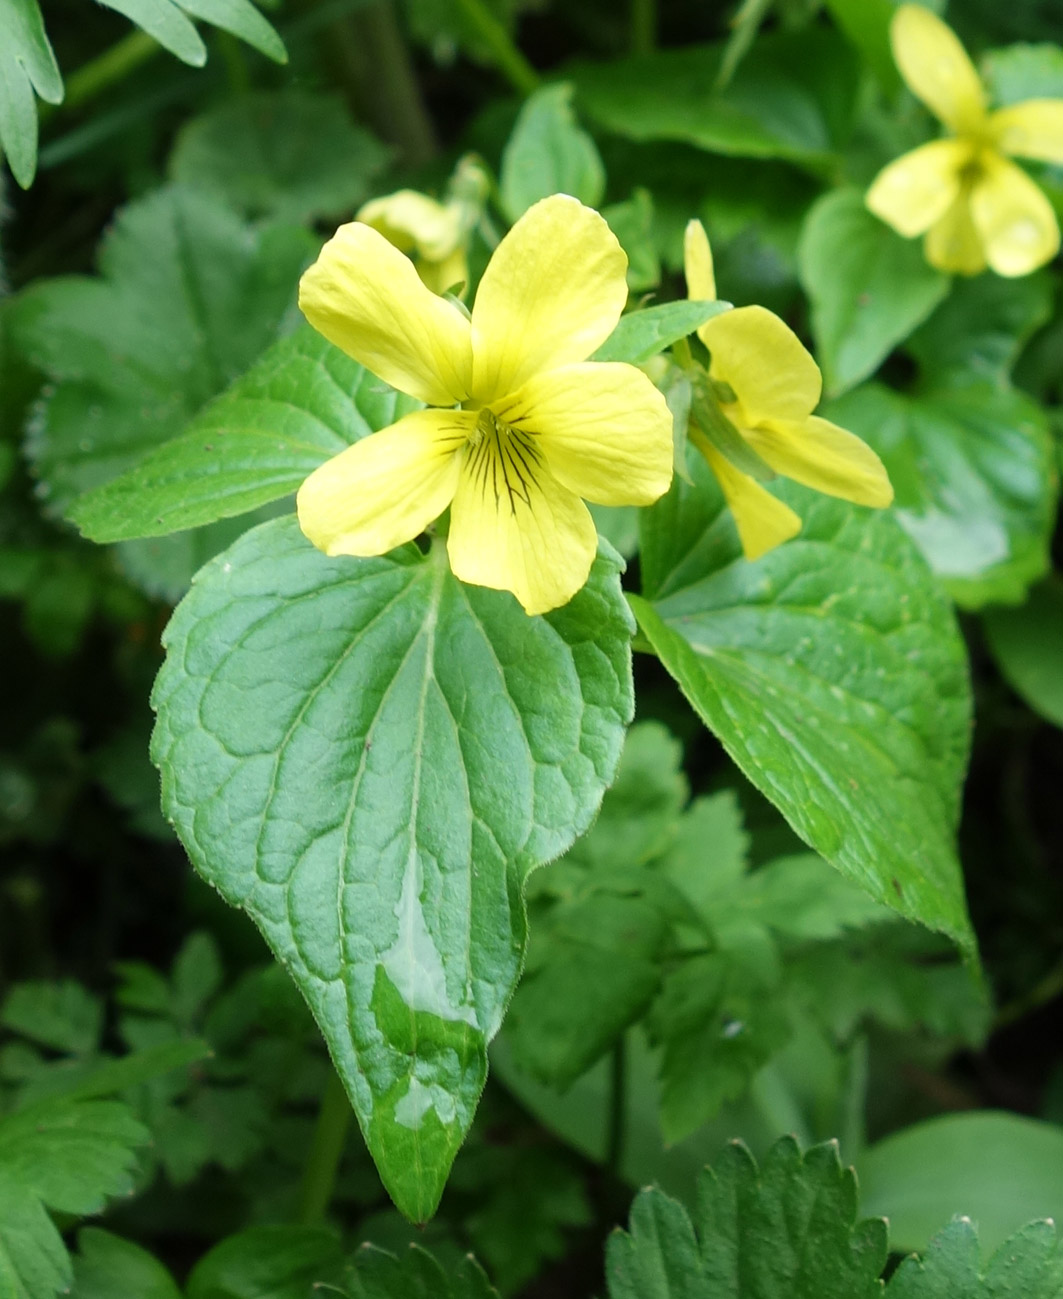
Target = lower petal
(1014,219)
(603,429)
(1033,129)
(763,521)
(527,535)
(917,190)
(386,489)
(823,456)
(952,244)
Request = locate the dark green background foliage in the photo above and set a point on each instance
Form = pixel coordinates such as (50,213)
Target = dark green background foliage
(679,937)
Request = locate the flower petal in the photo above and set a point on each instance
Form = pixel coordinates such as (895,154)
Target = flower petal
(552,293)
(936,67)
(409,219)
(697,263)
(771,371)
(920,187)
(519,531)
(365,296)
(1015,221)
(603,429)
(763,521)
(387,488)
(1032,130)
(822,455)
(952,244)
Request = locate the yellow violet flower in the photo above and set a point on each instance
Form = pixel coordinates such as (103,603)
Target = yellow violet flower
(975,207)
(434,235)
(757,409)
(527,425)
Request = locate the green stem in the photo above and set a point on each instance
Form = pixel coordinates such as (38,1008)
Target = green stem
(507,58)
(326,1150)
(643,32)
(614,1145)
(108,68)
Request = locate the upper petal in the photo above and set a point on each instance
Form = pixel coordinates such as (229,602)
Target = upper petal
(387,488)
(365,296)
(952,244)
(821,455)
(1015,221)
(918,188)
(697,263)
(604,430)
(513,527)
(551,295)
(771,371)
(1032,130)
(762,520)
(936,67)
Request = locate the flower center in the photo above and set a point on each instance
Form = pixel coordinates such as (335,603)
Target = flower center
(503,460)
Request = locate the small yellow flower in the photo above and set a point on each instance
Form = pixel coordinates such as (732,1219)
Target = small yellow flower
(528,425)
(434,235)
(974,206)
(762,388)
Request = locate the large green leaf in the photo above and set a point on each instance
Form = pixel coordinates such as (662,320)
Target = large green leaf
(833,673)
(869,287)
(974,470)
(303,402)
(187,299)
(288,156)
(999,1169)
(27,65)
(415,1275)
(108,1267)
(787,1230)
(278,1262)
(549,154)
(792,98)
(369,757)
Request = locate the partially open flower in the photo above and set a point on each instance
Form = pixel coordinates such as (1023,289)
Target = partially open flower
(524,427)
(975,207)
(752,417)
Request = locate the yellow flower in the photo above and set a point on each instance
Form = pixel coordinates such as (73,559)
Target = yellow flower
(974,206)
(434,235)
(529,426)
(754,416)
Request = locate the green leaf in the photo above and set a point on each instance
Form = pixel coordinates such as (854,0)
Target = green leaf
(785,1231)
(170,23)
(416,1275)
(632,223)
(27,65)
(999,1169)
(833,673)
(867,25)
(1021,72)
(1029,1263)
(1026,643)
(974,472)
(108,1267)
(980,328)
(290,156)
(139,1067)
(188,298)
(302,403)
(281,1262)
(869,287)
(549,154)
(34,1263)
(357,714)
(641,335)
(793,99)
(63,1016)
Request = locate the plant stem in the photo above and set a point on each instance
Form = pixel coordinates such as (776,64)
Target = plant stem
(643,37)
(326,1149)
(507,58)
(614,1145)
(112,66)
